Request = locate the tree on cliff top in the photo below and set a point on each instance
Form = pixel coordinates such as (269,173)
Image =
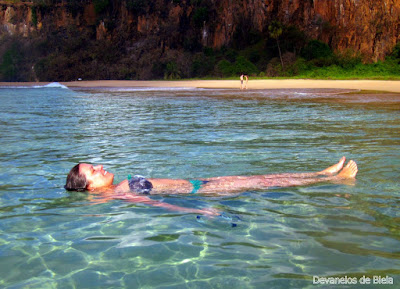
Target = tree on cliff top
(275,31)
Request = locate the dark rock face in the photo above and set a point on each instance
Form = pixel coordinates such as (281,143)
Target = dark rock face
(368,27)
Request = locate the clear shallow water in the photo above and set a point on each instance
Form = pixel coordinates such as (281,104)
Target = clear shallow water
(50,238)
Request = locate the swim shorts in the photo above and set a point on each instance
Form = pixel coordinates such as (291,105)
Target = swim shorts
(197,184)
(140,185)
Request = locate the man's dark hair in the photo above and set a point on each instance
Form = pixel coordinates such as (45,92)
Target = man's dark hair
(75,180)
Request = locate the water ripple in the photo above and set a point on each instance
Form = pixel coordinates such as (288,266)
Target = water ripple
(52,238)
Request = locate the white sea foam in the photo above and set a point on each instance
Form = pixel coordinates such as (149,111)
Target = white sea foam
(51,85)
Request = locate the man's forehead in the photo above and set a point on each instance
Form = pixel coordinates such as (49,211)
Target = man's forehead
(85,167)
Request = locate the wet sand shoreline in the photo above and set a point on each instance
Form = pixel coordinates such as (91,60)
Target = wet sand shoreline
(374,85)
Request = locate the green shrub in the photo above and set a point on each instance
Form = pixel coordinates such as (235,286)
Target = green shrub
(8,67)
(225,68)
(242,65)
(274,68)
(323,61)
(171,71)
(348,59)
(316,49)
(395,53)
(11,63)
(202,64)
(231,55)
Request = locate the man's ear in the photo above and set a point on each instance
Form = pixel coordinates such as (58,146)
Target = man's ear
(89,187)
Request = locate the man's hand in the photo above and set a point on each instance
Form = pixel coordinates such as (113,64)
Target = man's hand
(209,212)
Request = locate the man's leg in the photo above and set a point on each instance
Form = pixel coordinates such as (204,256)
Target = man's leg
(235,184)
(348,172)
(332,170)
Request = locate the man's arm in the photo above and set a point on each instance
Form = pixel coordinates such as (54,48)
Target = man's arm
(160,186)
(146,200)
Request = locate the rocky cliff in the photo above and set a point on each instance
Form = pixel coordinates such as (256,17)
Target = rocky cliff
(369,27)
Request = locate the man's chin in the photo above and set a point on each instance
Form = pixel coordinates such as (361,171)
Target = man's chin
(111,178)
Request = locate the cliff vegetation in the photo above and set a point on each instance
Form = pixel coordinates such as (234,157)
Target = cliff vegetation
(63,40)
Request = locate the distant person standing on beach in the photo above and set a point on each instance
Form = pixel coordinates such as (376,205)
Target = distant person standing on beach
(243,85)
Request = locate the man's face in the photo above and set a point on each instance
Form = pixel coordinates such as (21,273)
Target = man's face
(96,176)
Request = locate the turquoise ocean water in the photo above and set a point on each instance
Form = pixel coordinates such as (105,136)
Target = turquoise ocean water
(285,238)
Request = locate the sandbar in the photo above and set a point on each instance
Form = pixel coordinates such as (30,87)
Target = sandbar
(372,85)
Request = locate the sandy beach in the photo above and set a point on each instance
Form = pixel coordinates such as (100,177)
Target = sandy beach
(374,85)
(377,85)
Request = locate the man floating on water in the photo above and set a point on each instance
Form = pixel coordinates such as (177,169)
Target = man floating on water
(86,177)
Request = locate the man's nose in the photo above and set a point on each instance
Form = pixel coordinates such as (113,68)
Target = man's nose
(98,168)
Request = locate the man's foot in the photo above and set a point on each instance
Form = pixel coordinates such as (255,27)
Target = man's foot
(333,169)
(349,171)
